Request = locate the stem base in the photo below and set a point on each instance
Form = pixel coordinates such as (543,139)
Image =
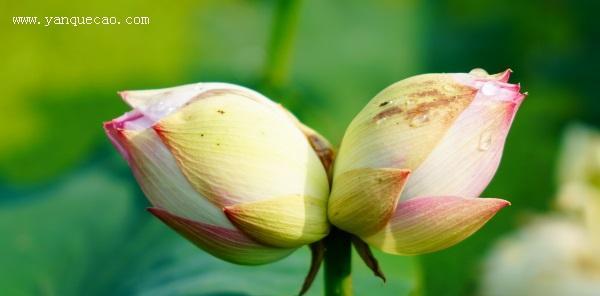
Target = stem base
(338,263)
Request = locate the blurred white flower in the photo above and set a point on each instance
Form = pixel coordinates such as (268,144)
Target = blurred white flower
(556,254)
(551,256)
(580,157)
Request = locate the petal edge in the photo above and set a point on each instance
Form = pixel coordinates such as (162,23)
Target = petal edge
(227,244)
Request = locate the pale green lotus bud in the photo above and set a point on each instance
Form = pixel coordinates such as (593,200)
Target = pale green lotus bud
(580,156)
(579,178)
(229,169)
(413,162)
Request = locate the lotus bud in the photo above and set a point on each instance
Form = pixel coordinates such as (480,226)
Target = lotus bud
(227,168)
(413,162)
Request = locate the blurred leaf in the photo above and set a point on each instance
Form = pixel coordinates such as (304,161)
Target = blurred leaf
(346,53)
(190,272)
(83,235)
(54,240)
(61,81)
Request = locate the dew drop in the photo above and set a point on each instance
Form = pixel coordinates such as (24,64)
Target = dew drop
(419,120)
(485,141)
(489,89)
(479,72)
(169,110)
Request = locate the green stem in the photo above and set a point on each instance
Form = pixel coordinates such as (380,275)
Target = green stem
(281,47)
(338,244)
(338,264)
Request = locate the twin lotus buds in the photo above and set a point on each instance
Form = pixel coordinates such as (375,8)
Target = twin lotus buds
(243,179)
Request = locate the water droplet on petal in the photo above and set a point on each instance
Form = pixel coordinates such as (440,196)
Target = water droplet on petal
(489,89)
(485,141)
(419,120)
(479,72)
(169,110)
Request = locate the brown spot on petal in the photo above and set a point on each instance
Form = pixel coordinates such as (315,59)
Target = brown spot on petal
(434,99)
(425,93)
(428,82)
(387,113)
(323,150)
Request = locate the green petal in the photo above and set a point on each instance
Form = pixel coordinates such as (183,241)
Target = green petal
(363,200)
(285,222)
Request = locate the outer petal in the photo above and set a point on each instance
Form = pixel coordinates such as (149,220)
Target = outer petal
(234,150)
(157,173)
(249,157)
(363,200)
(158,103)
(467,157)
(113,130)
(430,224)
(227,244)
(282,222)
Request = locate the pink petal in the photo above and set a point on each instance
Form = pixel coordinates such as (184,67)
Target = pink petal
(114,130)
(467,157)
(430,224)
(157,173)
(228,244)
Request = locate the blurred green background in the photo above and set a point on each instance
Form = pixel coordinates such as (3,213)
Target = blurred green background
(72,218)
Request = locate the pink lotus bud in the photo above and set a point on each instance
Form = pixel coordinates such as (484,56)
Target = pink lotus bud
(227,168)
(413,162)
